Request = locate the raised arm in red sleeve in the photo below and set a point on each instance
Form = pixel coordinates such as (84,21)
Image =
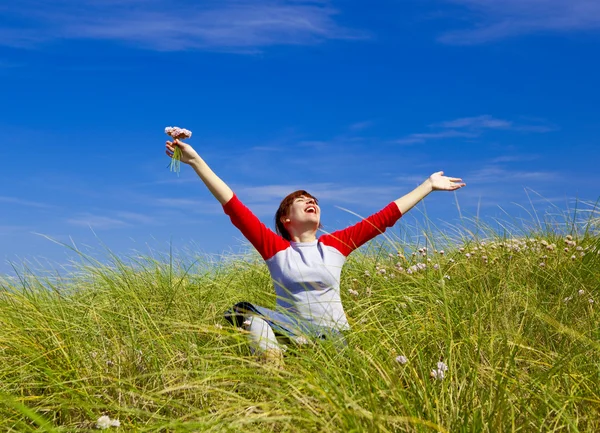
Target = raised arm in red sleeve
(349,239)
(267,242)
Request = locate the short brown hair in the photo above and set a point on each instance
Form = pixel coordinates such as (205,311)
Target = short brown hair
(284,208)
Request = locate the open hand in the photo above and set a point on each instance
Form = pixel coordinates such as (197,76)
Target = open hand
(439,182)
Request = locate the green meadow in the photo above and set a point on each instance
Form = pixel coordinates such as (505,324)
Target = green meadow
(512,315)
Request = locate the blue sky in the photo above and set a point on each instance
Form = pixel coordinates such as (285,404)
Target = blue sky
(357,104)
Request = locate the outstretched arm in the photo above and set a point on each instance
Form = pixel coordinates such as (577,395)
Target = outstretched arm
(435,182)
(189,156)
(350,238)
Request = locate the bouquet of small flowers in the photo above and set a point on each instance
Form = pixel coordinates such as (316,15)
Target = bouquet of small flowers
(177,134)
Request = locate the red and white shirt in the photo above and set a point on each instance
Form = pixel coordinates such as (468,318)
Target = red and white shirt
(306,275)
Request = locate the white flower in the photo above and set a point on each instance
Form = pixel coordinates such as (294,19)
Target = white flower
(591,301)
(581,292)
(105,422)
(567,299)
(353,292)
(301,340)
(401,359)
(436,266)
(447,277)
(437,374)
(219,326)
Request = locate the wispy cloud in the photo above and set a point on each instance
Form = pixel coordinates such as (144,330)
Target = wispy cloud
(499,19)
(472,127)
(359,126)
(11,229)
(97,222)
(493,174)
(117,220)
(238,26)
(21,202)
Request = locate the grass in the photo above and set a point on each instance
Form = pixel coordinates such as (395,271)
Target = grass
(143,340)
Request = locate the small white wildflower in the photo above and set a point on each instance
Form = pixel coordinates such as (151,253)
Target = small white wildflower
(390,255)
(567,299)
(437,374)
(301,340)
(105,422)
(442,366)
(367,274)
(409,270)
(436,266)
(442,252)
(368,291)
(468,255)
(591,301)
(569,238)
(579,248)
(219,326)
(573,257)
(566,250)
(581,254)
(382,271)
(462,250)
(401,359)
(451,261)
(581,292)
(354,280)
(447,277)
(542,264)
(353,292)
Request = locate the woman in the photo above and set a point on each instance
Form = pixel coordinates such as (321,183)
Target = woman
(305,269)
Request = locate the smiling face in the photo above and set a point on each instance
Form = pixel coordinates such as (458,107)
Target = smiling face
(303,210)
(298,212)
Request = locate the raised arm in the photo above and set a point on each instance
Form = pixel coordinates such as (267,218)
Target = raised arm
(350,238)
(435,182)
(189,156)
(266,242)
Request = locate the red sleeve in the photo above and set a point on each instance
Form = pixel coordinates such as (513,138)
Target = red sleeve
(349,239)
(267,242)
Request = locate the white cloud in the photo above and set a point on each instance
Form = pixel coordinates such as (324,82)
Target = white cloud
(238,26)
(472,127)
(21,202)
(423,137)
(478,122)
(499,19)
(97,222)
(501,176)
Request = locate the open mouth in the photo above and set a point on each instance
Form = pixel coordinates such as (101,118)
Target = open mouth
(311,209)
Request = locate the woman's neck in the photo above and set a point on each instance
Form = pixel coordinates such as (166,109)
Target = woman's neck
(308,236)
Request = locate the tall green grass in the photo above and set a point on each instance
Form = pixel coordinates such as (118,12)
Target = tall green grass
(142,339)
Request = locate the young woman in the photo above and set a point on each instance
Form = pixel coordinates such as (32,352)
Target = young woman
(305,269)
